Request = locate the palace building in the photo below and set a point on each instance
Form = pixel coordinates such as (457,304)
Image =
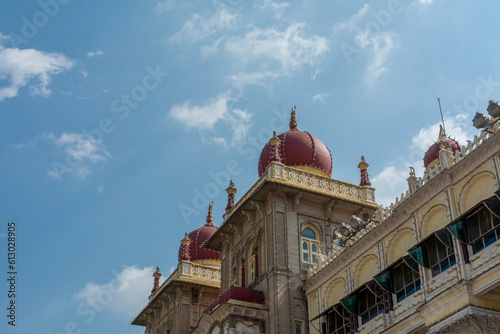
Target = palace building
(301,252)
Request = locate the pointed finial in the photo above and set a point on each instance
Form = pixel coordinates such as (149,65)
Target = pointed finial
(274,141)
(442,133)
(363,164)
(293,121)
(412,171)
(363,167)
(186,240)
(209,216)
(157,273)
(231,189)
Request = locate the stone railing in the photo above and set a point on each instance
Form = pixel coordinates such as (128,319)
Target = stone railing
(294,177)
(297,178)
(383,213)
(199,272)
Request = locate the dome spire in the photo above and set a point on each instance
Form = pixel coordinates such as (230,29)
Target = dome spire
(231,190)
(293,121)
(442,133)
(184,250)
(209,216)
(363,167)
(274,142)
(156,275)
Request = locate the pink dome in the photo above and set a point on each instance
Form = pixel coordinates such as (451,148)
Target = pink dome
(198,237)
(196,240)
(433,151)
(299,148)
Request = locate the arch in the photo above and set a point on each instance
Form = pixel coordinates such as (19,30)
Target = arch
(336,290)
(434,219)
(399,245)
(309,243)
(477,188)
(366,269)
(250,262)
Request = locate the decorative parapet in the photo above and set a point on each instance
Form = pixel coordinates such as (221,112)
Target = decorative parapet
(189,271)
(293,177)
(199,273)
(308,181)
(383,213)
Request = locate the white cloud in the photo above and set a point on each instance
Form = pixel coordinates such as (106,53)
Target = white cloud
(320,97)
(125,294)
(210,50)
(241,79)
(95,53)
(288,48)
(276,53)
(278,7)
(198,27)
(353,20)
(29,66)
(205,117)
(164,6)
(80,152)
(422,2)
(380,47)
(391,181)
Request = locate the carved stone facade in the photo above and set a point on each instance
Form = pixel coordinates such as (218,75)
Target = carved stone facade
(461,296)
(289,263)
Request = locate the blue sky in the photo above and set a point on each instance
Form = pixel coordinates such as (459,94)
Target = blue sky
(120,120)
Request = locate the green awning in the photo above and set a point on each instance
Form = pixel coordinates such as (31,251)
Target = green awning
(384,280)
(445,237)
(458,230)
(351,303)
(411,263)
(419,254)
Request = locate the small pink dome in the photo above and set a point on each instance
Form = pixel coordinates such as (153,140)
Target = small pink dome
(198,237)
(433,151)
(299,148)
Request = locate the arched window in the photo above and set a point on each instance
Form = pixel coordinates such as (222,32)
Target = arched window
(251,263)
(309,245)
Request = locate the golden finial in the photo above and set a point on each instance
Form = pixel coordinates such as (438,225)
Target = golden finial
(363,164)
(442,133)
(412,171)
(157,273)
(209,216)
(231,189)
(186,240)
(274,141)
(293,121)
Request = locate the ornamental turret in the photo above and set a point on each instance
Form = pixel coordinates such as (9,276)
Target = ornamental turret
(363,167)
(157,274)
(231,190)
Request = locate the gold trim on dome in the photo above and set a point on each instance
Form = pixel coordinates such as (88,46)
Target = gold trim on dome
(207,262)
(312,170)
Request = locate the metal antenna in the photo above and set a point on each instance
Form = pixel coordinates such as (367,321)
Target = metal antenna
(441,111)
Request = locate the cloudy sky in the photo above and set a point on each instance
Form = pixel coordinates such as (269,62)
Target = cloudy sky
(121,120)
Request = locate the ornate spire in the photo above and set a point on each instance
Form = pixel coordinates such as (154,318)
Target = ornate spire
(209,216)
(231,190)
(184,251)
(363,166)
(293,121)
(442,133)
(275,142)
(157,274)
